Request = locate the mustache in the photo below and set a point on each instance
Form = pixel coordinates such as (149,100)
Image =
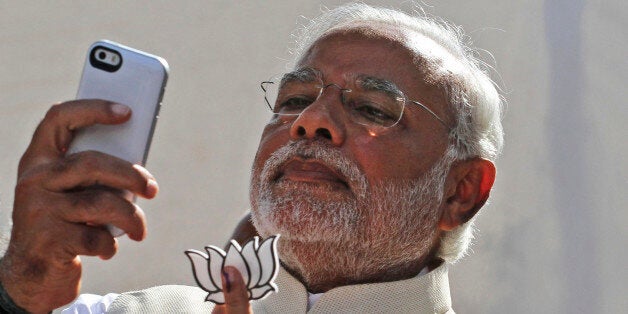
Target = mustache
(321,152)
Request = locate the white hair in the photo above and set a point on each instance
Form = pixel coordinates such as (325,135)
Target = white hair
(473,97)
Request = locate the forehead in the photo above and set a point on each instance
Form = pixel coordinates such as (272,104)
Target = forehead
(386,55)
(424,53)
(352,52)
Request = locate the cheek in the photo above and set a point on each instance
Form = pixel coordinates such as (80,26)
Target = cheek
(275,135)
(378,158)
(383,158)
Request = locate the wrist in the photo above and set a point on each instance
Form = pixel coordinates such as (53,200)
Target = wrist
(6,303)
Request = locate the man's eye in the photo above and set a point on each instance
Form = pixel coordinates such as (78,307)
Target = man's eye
(374,113)
(292,105)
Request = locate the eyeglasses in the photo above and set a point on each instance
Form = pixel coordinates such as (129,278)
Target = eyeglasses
(369,101)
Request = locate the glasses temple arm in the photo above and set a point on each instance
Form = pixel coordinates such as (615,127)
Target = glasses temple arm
(431,112)
(266,98)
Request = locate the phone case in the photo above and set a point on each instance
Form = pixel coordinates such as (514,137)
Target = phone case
(136,79)
(138,82)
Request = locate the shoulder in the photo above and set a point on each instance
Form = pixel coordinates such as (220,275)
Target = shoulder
(162,299)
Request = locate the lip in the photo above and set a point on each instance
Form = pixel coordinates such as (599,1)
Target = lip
(310,171)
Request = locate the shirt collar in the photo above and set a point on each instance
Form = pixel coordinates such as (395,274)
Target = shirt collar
(427,292)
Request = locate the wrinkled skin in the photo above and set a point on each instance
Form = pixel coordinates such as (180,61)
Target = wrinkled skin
(59,215)
(401,153)
(404,152)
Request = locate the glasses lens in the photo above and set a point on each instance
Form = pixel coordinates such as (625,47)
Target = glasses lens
(290,97)
(374,107)
(370,102)
(294,96)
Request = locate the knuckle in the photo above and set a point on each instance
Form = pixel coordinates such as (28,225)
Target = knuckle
(26,158)
(89,160)
(28,198)
(54,112)
(25,185)
(85,162)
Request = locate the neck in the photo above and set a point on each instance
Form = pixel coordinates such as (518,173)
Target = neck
(342,265)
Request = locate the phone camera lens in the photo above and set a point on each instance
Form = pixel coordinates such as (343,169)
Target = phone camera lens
(102,55)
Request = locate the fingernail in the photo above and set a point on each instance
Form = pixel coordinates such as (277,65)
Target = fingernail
(227,281)
(120,110)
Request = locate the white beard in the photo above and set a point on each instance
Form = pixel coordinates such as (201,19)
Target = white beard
(377,228)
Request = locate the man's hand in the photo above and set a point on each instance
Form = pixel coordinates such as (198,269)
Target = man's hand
(62,204)
(236,296)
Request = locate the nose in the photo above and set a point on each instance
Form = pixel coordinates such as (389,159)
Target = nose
(322,119)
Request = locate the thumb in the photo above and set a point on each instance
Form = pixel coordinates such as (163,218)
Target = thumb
(236,294)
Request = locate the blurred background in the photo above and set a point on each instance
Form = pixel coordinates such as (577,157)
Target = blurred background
(552,239)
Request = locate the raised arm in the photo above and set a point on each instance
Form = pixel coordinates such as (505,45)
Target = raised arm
(62,203)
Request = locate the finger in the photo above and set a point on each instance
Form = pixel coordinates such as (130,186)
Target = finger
(236,295)
(55,132)
(91,168)
(89,240)
(219,309)
(99,207)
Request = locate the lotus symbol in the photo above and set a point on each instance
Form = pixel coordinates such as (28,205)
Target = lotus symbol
(258,264)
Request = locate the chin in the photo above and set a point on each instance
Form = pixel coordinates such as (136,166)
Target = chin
(305,219)
(302,211)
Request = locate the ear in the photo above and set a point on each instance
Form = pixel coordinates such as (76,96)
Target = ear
(467,188)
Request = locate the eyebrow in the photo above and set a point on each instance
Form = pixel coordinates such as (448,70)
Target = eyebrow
(371,83)
(301,75)
(368,82)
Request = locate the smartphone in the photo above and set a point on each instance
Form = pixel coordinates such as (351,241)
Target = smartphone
(127,76)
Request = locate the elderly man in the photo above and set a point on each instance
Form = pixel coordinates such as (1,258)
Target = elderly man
(378,155)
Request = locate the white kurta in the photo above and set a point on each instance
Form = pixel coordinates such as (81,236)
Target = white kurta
(427,293)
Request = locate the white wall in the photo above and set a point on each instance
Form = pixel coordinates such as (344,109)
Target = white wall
(552,239)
